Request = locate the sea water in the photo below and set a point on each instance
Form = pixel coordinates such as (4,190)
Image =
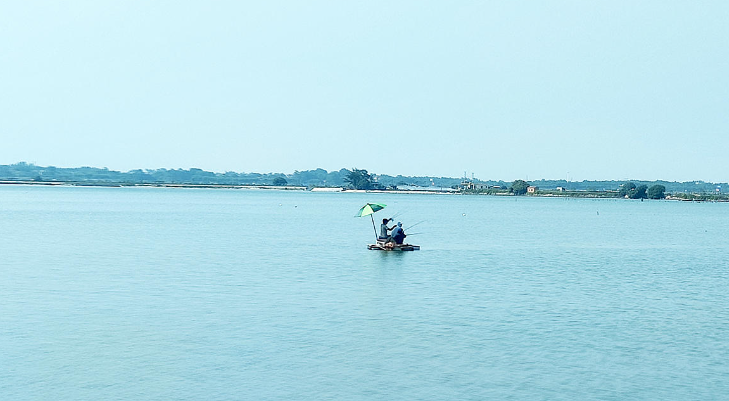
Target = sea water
(192,294)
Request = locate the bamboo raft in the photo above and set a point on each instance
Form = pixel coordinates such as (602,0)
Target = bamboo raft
(391,246)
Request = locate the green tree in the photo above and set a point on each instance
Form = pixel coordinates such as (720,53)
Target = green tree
(519,187)
(630,190)
(626,189)
(359,179)
(279,181)
(657,192)
(640,192)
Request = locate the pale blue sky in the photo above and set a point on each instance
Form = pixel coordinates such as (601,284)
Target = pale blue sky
(502,89)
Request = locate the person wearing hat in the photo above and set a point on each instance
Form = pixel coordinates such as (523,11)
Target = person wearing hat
(398,234)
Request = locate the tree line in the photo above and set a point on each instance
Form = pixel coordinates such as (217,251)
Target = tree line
(309,178)
(627,190)
(351,178)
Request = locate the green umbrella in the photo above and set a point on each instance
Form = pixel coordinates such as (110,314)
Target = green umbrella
(369,209)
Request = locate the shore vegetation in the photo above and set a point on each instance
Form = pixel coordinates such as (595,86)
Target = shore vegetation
(361,179)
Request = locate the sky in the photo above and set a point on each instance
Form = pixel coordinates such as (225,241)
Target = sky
(503,90)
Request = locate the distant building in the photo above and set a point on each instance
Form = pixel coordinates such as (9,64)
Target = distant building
(470,185)
(532,189)
(375,184)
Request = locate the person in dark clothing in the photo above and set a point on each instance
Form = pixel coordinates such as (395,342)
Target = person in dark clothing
(398,234)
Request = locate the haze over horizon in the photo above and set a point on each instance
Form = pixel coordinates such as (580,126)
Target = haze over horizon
(605,90)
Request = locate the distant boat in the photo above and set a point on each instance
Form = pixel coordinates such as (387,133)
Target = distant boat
(382,244)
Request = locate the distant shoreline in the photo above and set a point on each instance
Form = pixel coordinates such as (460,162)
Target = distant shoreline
(216,186)
(324,180)
(148,185)
(541,194)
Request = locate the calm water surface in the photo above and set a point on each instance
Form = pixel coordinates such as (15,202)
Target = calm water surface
(162,294)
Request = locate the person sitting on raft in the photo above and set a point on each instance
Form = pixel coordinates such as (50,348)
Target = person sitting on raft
(384,229)
(398,234)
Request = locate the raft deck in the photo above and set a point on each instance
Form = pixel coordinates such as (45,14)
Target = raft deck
(381,246)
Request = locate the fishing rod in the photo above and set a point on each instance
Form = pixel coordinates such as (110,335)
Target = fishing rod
(396,215)
(423,221)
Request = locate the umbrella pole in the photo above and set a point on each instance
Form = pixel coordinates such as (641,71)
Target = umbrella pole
(373,227)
